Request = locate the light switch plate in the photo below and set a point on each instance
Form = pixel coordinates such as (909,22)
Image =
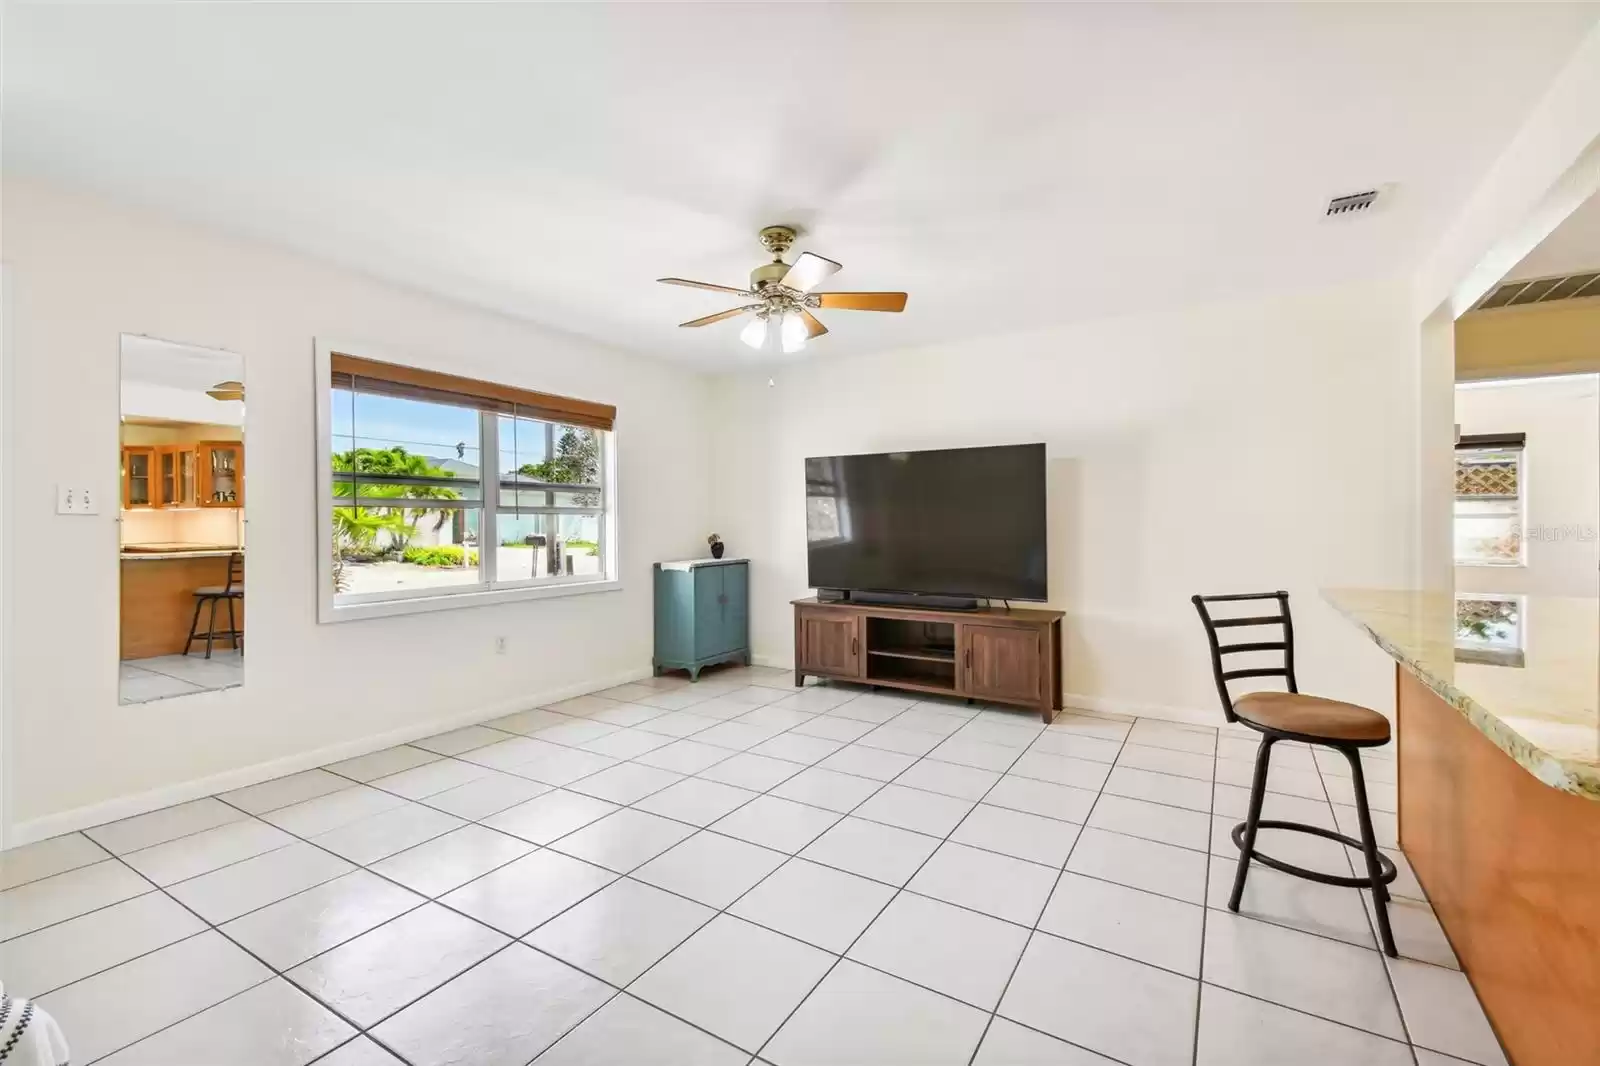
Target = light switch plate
(76,499)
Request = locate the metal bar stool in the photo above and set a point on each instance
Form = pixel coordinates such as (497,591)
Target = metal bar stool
(1344,727)
(215,594)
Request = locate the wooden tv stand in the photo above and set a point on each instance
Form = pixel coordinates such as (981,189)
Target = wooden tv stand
(999,656)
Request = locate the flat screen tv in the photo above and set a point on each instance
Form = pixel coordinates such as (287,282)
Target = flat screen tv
(958,522)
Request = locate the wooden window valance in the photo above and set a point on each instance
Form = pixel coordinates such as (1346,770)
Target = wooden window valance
(392,379)
(1496,441)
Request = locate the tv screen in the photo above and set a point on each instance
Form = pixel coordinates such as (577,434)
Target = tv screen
(958,522)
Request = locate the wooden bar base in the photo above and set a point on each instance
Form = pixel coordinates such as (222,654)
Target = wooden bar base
(994,655)
(1512,868)
(158,603)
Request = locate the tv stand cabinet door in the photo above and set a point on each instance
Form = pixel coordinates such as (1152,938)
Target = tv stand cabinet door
(830,643)
(1003,663)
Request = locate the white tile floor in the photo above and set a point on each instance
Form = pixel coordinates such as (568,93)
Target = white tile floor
(736,872)
(157,678)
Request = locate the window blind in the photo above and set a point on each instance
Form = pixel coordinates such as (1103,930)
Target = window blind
(390,379)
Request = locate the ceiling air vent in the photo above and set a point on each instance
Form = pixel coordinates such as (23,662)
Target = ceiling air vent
(1351,203)
(1542,290)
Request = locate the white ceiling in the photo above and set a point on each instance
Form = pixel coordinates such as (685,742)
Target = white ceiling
(1571,248)
(1010,166)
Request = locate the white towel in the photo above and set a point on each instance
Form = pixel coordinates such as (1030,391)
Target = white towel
(29,1036)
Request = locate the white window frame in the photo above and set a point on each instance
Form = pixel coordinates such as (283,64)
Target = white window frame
(334,607)
(1520,522)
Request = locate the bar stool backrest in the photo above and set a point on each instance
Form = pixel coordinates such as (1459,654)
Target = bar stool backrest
(235,572)
(1285,646)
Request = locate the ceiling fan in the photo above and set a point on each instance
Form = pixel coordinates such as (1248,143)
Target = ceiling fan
(226,390)
(784,298)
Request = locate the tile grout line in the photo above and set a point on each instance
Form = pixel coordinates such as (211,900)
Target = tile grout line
(426,899)
(1060,873)
(513,939)
(966,720)
(1371,917)
(887,904)
(538,846)
(788,857)
(906,889)
(1205,905)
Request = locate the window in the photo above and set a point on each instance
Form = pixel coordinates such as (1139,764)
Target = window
(1489,500)
(1489,630)
(443,491)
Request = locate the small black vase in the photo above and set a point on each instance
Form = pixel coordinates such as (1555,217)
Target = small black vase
(717,549)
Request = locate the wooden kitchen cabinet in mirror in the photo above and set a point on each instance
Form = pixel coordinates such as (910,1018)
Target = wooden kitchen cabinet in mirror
(175,477)
(138,477)
(221,473)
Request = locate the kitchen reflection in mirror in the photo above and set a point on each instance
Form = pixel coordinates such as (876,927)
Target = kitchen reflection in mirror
(181,520)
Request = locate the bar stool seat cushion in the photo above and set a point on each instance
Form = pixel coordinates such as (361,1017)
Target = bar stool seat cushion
(219,590)
(1312,716)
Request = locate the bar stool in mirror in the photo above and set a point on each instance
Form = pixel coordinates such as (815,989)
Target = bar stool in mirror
(1278,716)
(212,595)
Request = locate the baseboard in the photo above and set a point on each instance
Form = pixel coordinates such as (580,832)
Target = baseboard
(1071,700)
(1135,709)
(112,810)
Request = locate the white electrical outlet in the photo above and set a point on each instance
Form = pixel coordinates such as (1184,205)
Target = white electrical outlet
(76,499)
(499,645)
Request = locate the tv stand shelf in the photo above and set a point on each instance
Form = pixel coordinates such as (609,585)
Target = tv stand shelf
(992,654)
(932,655)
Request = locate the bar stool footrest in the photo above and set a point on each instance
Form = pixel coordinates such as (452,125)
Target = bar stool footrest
(1385,864)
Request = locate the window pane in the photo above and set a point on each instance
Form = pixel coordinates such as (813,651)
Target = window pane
(1487,538)
(541,498)
(541,546)
(371,489)
(382,435)
(1488,473)
(579,541)
(436,429)
(548,452)
(524,551)
(404,549)
(1492,622)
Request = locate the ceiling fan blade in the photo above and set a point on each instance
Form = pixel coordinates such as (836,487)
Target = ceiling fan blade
(808,272)
(813,327)
(705,285)
(719,316)
(862,301)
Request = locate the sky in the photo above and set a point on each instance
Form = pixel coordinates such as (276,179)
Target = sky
(362,420)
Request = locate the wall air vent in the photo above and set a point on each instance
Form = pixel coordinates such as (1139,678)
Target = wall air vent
(1542,290)
(1352,203)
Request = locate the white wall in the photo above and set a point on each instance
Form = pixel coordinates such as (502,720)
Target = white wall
(83,272)
(1561,467)
(1239,447)
(1544,173)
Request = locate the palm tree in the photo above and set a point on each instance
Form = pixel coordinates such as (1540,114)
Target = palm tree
(396,460)
(357,528)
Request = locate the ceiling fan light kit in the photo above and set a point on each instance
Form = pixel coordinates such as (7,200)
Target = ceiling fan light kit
(783,290)
(755,334)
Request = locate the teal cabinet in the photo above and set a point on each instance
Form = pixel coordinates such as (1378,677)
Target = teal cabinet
(702,614)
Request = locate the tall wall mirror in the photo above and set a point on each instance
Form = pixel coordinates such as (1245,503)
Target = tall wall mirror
(181,545)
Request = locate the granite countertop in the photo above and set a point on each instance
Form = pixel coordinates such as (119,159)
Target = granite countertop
(177,550)
(1540,703)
